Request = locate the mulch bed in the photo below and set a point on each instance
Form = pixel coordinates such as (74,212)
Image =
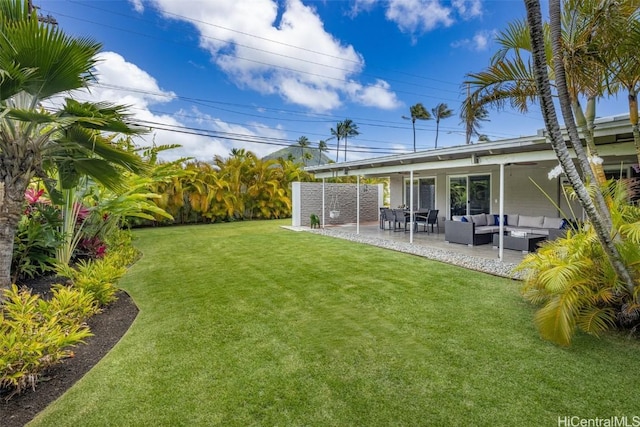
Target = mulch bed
(107,328)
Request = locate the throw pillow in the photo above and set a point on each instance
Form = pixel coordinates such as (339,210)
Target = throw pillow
(496,220)
(480,219)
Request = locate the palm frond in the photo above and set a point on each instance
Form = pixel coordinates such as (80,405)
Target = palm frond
(508,81)
(59,62)
(556,320)
(32,116)
(595,320)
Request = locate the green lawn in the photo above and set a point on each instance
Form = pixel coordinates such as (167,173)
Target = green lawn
(250,324)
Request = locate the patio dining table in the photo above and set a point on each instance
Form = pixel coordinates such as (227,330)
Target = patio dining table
(422,213)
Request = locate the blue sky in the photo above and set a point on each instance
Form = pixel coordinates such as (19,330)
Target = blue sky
(258,74)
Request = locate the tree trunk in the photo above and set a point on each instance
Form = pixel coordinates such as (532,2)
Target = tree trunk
(10,213)
(437,132)
(345,148)
(633,117)
(568,115)
(534,19)
(338,150)
(413,122)
(586,123)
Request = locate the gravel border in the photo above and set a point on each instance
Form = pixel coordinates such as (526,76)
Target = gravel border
(495,267)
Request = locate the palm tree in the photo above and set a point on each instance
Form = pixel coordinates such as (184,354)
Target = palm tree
(322,147)
(418,112)
(349,128)
(31,138)
(337,134)
(534,19)
(303,142)
(511,79)
(471,114)
(618,54)
(441,111)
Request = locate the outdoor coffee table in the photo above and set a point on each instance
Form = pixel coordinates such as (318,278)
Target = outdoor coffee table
(526,243)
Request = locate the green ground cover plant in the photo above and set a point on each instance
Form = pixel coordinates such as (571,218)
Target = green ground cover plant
(35,333)
(250,324)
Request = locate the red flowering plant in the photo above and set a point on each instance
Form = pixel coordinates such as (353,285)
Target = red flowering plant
(37,236)
(91,247)
(93,225)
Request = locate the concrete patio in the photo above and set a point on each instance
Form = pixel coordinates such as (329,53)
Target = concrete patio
(430,245)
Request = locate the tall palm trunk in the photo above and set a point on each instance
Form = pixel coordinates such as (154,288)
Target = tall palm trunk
(11,207)
(338,150)
(413,122)
(437,132)
(568,115)
(11,210)
(345,147)
(586,123)
(534,19)
(633,117)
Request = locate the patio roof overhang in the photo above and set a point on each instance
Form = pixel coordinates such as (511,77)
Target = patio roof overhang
(613,137)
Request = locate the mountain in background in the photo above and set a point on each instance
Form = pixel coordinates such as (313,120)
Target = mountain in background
(295,152)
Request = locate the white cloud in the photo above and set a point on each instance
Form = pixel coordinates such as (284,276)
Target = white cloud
(285,52)
(418,16)
(468,9)
(114,72)
(137,5)
(361,5)
(479,42)
(377,95)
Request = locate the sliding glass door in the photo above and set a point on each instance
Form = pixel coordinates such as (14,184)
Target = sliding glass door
(424,193)
(469,195)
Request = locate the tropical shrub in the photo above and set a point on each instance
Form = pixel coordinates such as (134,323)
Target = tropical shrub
(575,284)
(37,237)
(120,247)
(35,334)
(69,305)
(241,186)
(97,277)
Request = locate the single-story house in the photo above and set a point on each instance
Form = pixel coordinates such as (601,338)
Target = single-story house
(498,177)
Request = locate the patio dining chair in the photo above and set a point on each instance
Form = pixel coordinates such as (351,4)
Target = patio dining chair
(386,216)
(432,219)
(420,219)
(400,219)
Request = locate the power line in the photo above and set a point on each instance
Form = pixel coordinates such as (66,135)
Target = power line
(387,124)
(255,139)
(273,65)
(193,20)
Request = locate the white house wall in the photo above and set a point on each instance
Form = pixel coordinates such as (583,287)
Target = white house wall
(521,194)
(396,191)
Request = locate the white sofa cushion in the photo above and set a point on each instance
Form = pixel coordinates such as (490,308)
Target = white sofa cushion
(456,218)
(480,219)
(552,222)
(487,229)
(530,221)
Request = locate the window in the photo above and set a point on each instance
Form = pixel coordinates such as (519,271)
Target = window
(424,193)
(469,195)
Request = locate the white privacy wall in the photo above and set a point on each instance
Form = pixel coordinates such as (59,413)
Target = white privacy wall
(307,200)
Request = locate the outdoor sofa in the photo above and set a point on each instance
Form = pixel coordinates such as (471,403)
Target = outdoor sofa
(479,229)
